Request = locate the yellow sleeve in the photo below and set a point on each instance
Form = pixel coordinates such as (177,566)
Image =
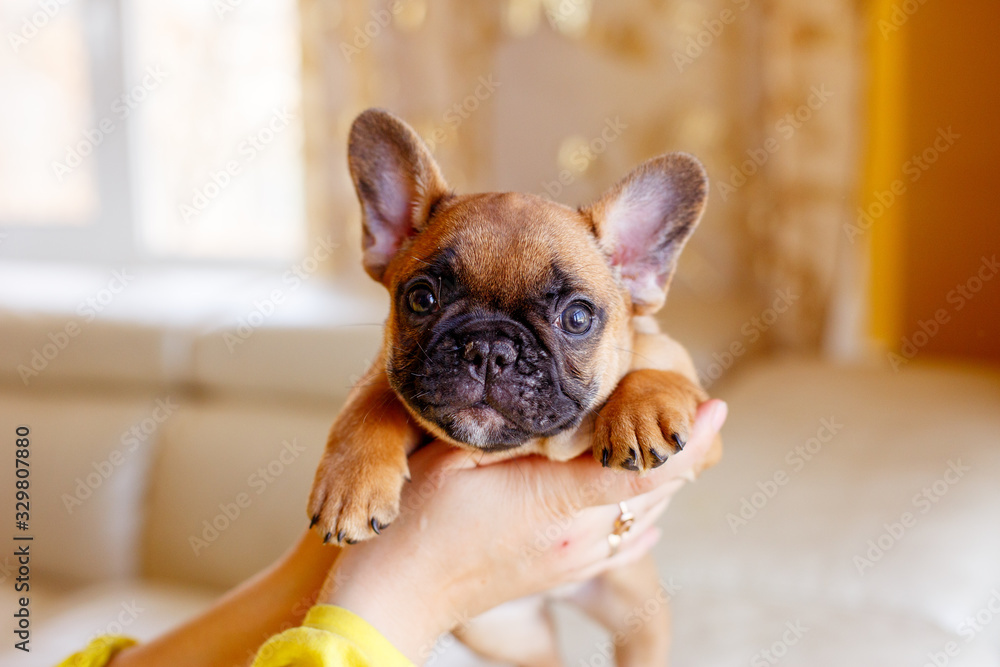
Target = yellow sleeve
(330,637)
(98,653)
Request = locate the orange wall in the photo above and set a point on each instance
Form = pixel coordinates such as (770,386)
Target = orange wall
(936,291)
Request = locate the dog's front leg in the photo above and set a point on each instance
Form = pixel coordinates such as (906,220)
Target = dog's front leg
(651,412)
(360,477)
(647,418)
(632,605)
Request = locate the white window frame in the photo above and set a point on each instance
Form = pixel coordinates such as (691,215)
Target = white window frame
(110,235)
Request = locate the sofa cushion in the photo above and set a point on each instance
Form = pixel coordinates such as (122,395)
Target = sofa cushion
(315,343)
(95,325)
(859,501)
(64,623)
(89,463)
(247,332)
(822,569)
(223,330)
(230,490)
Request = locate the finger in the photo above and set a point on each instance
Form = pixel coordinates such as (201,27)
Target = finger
(479,459)
(645,509)
(634,549)
(441,456)
(431,455)
(430,466)
(644,503)
(589,484)
(631,550)
(650,516)
(596,523)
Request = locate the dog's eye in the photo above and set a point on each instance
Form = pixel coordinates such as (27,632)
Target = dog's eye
(422,300)
(577,318)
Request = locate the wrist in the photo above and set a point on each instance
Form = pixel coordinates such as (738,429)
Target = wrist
(395,601)
(304,568)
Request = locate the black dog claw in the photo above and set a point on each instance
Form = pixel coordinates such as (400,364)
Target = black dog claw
(679,442)
(657,459)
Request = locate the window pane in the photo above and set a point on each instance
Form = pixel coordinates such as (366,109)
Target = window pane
(218,133)
(48,130)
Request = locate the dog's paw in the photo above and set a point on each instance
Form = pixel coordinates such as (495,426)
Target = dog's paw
(647,418)
(354,497)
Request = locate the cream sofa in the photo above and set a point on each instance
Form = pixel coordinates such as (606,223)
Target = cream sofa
(166,468)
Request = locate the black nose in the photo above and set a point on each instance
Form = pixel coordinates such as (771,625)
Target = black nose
(489,357)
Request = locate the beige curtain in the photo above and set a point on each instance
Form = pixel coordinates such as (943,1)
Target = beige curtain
(718,78)
(811,66)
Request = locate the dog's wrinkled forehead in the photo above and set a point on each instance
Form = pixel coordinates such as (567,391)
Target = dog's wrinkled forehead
(504,247)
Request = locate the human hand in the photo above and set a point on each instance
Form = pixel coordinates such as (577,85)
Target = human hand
(471,537)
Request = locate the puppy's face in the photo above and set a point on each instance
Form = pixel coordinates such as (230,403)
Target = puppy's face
(505,319)
(511,315)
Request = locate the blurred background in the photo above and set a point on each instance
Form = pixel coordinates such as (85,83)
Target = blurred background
(182,308)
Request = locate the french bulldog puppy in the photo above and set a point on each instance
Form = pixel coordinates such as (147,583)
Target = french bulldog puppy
(516,325)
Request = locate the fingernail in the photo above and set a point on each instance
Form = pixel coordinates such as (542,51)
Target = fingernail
(719,413)
(376,527)
(314,521)
(327,537)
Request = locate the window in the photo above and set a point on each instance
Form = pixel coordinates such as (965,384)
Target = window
(137,130)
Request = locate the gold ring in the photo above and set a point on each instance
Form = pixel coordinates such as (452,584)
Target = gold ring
(622,525)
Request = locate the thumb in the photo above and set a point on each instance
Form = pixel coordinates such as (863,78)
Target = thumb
(439,457)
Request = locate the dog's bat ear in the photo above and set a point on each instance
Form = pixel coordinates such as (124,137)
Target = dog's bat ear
(397,182)
(643,222)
